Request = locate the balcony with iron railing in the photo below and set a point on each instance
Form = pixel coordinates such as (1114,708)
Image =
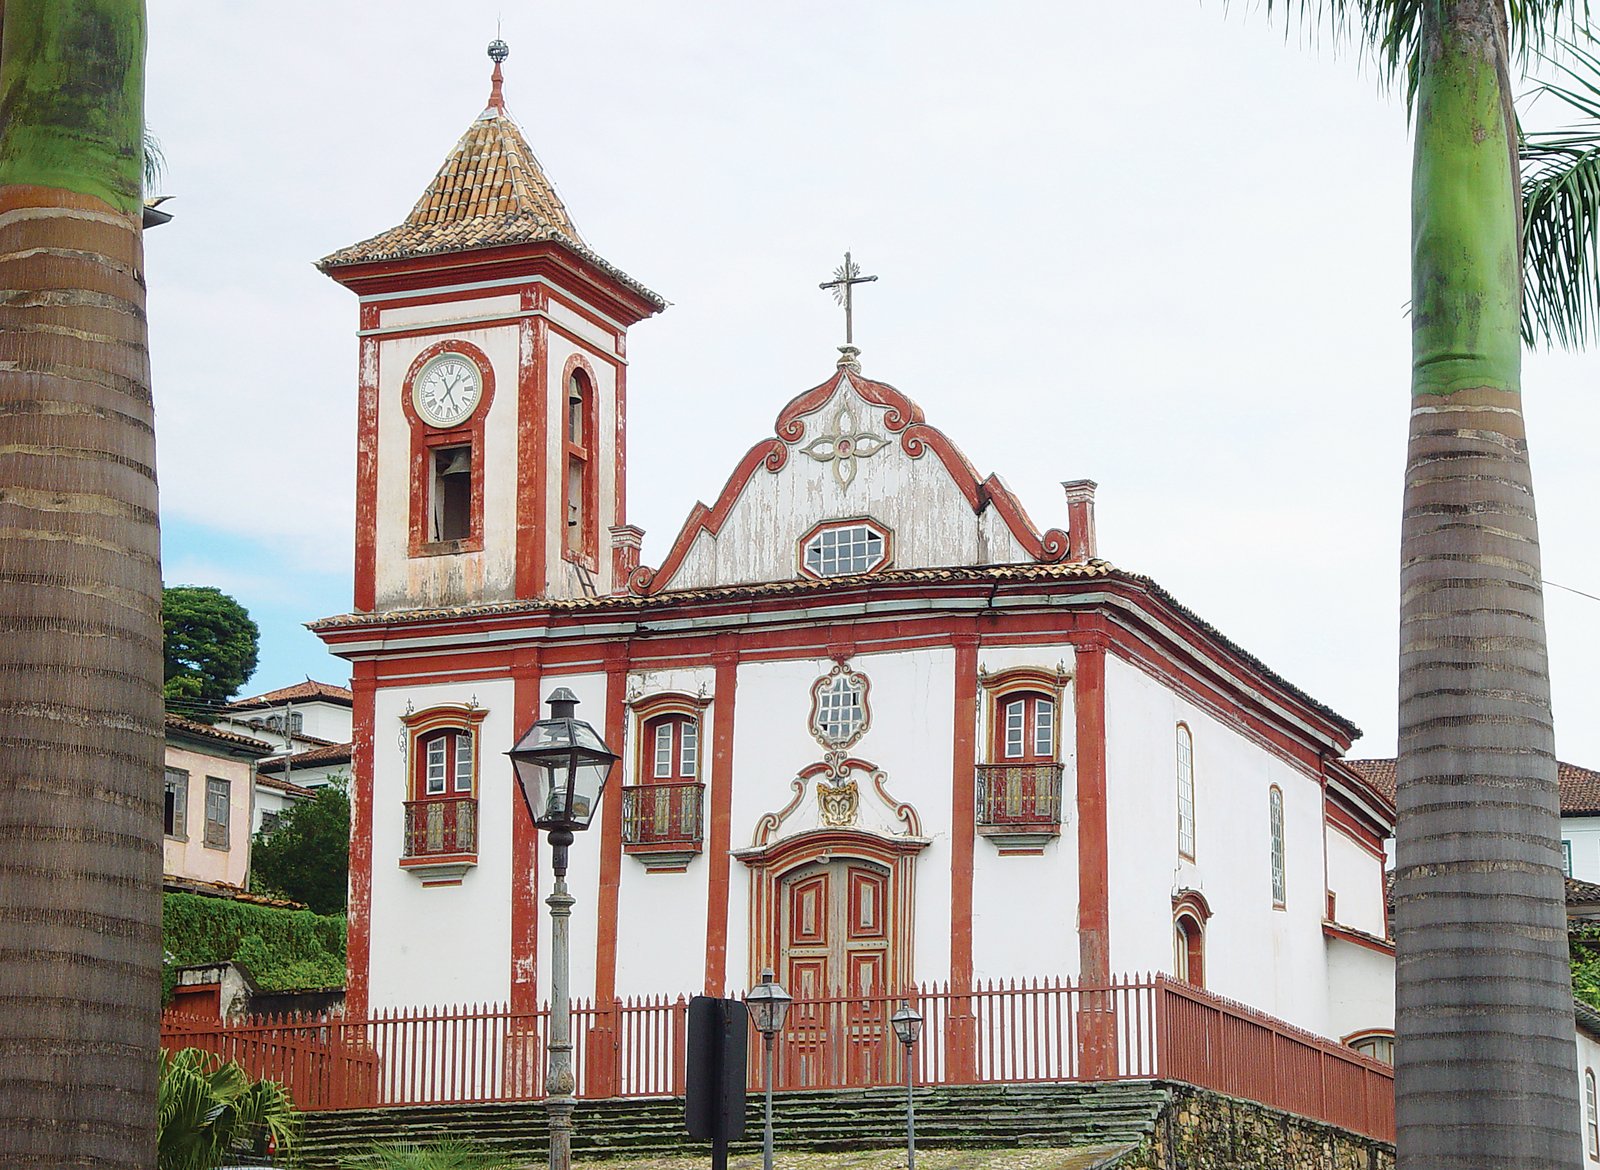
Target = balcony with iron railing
(663,824)
(1019,805)
(441,837)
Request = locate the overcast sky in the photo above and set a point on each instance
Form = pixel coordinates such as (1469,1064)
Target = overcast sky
(1155,244)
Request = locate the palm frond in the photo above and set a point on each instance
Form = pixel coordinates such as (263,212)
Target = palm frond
(1561,212)
(155,161)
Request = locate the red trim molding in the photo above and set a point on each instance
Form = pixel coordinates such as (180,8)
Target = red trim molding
(1094,900)
(524,847)
(533,346)
(366,557)
(358,946)
(1360,938)
(718,861)
(963,800)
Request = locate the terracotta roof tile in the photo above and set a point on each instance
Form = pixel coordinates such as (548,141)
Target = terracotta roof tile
(198,730)
(286,787)
(299,692)
(491,191)
(333,753)
(1580,787)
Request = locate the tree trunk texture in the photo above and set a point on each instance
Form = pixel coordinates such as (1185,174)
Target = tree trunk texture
(1485,1070)
(80,590)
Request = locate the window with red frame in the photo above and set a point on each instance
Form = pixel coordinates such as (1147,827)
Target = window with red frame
(1189,950)
(444,765)
(1025,729)
(673,743)
(578,483)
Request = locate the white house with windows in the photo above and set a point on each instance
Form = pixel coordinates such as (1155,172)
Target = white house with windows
(878,728)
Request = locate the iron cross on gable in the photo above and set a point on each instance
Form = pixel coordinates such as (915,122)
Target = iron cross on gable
(845,278)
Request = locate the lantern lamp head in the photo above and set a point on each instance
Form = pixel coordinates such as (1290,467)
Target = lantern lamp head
(562,766)
(768,1004)
(907,1024)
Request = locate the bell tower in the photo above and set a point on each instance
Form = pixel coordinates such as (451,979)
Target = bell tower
(491,456)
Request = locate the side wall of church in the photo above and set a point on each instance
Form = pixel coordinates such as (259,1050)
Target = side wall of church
(1271,958)
(1355,878)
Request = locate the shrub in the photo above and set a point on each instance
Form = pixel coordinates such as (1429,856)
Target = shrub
(284,949)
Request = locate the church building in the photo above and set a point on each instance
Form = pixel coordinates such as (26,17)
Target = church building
(879,729)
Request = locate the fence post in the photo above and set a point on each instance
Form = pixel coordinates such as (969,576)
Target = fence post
(1097,1034)
(600,1052)
(680,1044)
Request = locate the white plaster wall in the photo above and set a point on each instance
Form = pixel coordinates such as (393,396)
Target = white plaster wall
(191,857)
(1355,877)
(446,579)
(583,873)
(1584,833)
(1588,1061)
(446,311)
(329,721)
(442,944)
(268,800)
(912,699)
(661,919)
(1270,958)
(916,499)
(562,580)
(596,336)
(1360,989)
(1025,909)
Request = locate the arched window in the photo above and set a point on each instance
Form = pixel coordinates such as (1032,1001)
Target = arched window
(441,839)
(1189,949)
(1591,1115)
(673,744)
(1377,1044)
(1185,792)
(578,485)
(1025,730)
(1275,826)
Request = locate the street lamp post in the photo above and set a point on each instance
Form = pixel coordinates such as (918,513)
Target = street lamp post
(562,765)
(908,1027)
(768,1003)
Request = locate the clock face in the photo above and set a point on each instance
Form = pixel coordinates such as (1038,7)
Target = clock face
(447,390)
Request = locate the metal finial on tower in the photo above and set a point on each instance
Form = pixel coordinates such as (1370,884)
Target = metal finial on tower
(498,52)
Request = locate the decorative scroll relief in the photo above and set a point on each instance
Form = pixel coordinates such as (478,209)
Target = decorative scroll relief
(843,444)
(842,801)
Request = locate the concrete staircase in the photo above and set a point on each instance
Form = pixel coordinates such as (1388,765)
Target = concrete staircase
(980,1116)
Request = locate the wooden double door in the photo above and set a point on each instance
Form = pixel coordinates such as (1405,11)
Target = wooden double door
(837,942)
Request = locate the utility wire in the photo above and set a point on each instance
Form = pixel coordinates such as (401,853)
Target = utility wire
(1570,589)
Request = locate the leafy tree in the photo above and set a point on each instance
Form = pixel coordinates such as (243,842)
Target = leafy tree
(80,591)
(207,1110)
(1484,1059)
(306,856)
(210,643)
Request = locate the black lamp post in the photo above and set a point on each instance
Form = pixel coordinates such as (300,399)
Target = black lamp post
(908,1027)
(562,765)
(768,1003)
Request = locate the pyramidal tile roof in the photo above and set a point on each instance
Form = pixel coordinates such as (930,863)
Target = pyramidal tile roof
(491,191)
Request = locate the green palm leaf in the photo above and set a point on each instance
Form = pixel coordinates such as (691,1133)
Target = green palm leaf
(1561,212)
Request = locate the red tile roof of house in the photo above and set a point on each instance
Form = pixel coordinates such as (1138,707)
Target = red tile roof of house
(1580,787)
(283,786)
(304,692)
(317,757)
(194,729)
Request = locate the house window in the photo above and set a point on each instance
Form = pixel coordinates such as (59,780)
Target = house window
(1377,1045)
(1185,793)
(1275,822)
(450,497)
(840,713)
(578,486)
(269,822)
(1027,728)
(674,747)
(842,550)
(218,800)
(1189,949)
(175,805)
(441,816)
(1566,857)
(1591,1115)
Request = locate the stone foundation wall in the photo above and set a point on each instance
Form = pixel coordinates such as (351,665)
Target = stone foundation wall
(1207,1131)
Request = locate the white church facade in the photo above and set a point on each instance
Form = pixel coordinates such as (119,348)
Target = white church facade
(878,728)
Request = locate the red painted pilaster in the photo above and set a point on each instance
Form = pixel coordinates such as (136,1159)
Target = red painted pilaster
(533,519)
(961,1035)
(718,860)
(1096,1024)
(601,1066)
(366,558)
(525,699)
(358,946)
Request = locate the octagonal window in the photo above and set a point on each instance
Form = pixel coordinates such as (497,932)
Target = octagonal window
(844,549)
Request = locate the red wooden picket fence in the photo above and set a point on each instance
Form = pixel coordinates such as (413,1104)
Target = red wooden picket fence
(1000,1032)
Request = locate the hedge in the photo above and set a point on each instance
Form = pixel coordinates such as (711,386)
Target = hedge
(285,950)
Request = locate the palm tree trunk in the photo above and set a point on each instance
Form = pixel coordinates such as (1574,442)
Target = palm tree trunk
(1485,1062)
(80,588)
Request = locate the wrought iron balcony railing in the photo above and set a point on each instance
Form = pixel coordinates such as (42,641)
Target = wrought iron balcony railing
(663,814)
(442,828)
(1019,795)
